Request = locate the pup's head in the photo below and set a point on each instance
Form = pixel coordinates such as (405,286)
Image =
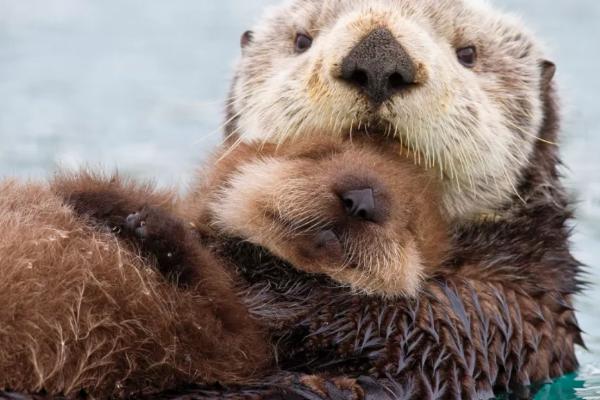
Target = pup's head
(361,215)
(458,83)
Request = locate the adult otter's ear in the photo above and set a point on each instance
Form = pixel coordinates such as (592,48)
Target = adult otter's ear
(548,72)
(246,39)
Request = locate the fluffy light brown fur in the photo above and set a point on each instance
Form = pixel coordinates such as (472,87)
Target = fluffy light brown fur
(80,310)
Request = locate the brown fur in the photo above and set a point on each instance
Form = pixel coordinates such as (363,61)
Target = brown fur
(81,310)
(498,316)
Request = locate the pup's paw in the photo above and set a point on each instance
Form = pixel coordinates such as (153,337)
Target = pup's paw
(154,224)
(164,237)
(157,233)
(136,224)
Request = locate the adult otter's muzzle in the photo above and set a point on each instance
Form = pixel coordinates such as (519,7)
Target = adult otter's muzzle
(379,66)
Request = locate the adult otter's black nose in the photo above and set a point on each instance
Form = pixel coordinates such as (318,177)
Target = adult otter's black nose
(379,66)
(360,204)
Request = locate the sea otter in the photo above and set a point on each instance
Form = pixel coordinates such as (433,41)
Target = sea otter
(83,311)
(358,213)
(469,91)
(471,96)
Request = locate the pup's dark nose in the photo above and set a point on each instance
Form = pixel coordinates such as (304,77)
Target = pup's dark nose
(360,204)
(379,66)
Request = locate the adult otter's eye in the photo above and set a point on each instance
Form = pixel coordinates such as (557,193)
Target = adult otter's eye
(467,56)
(303,42)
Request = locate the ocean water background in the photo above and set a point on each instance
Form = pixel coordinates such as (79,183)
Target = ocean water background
(139,86)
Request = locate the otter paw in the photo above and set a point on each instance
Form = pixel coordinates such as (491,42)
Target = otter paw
(151,223)
(136,224)
(162,236)
(156,231)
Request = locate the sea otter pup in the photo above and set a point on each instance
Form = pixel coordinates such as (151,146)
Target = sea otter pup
(82,311)
(475,326)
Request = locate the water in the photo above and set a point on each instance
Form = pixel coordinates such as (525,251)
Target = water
(139,85)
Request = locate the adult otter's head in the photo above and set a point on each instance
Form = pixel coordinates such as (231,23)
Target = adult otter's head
(456,82)
(363,216)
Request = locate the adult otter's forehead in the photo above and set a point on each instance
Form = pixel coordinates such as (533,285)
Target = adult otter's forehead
(457,82)
(503,41)
(457,20)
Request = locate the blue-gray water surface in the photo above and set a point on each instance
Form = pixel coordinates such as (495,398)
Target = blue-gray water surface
(139,85)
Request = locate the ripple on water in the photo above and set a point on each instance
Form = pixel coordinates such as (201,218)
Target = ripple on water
(582,386)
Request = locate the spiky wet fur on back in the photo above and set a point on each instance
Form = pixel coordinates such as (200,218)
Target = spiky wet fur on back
(81,310)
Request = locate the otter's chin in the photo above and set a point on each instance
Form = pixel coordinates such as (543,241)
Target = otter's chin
(390,270)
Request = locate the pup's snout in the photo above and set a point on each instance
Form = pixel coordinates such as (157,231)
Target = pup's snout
(379,66)
(360,204)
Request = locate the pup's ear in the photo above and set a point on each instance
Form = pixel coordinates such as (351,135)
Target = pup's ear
(246,39)
(548,72)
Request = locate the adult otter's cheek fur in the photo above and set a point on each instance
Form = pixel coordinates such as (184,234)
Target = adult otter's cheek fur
(397,68)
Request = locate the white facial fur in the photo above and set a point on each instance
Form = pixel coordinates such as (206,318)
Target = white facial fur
(476,126)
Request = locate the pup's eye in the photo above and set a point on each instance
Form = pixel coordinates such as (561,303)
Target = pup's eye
(303,42)
(467,56)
